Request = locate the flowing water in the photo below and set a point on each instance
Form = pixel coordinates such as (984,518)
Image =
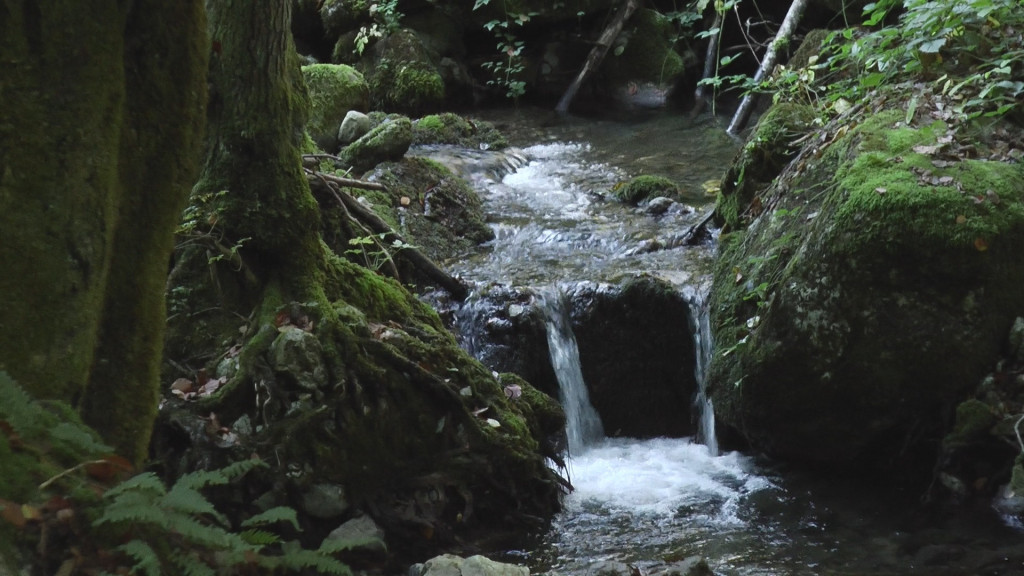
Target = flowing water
(649,503)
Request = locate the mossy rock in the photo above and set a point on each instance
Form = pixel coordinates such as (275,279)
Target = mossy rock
(334,89)
(452,129)
(644,52)
(442,215)
(403,76)
(869,300)
(388,141)
(768,149)
(646,187)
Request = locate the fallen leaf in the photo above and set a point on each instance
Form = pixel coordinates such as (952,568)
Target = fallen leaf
(960,218)
(108,467)
(980,244)
(513,391)
(493,423)
(182,385)
(11,513)
(405,200)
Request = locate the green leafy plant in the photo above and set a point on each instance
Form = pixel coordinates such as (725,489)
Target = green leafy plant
(386,20)
(973,50)
(507,68)
(374,249)
(178,531)
(199,226)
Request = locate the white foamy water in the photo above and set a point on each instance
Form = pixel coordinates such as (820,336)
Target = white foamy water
(662,477)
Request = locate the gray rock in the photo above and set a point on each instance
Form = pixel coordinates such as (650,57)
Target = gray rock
(692,566)
(659,205)
(610,568)
(452,565)
(297,356)
(325,501)
(353,127)
(362,533)
(1017,341)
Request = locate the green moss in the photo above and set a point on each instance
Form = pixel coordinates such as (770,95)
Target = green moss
(334,89)
(891,191)
(646,187)
(648,55)
(766,152)
(450,128)
(407,86)
(974,421)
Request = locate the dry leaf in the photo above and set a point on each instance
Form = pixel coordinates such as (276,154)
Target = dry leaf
(960,218)
(980,244)
(182,385)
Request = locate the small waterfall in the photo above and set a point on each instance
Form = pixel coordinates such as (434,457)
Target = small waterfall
(583,425)
(702,343)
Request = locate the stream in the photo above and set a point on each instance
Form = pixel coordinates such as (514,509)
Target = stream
(652,502)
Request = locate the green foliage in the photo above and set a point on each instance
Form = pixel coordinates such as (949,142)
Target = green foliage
(44,439)
(179,531)
(373,250)
(386,20)
(973,49)
(507,68)
(199,226)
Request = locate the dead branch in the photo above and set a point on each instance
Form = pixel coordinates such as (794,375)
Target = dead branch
(597,54)
(367,216)
(742,115)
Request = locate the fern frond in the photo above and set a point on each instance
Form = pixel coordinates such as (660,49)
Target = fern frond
(333,545)
(296,558)
(259,538)
(78,439)
(189,565)
(147,483)
(184,499)
(133,508)
(19,409)
(203,478)
(194,531)
(272,516)
(146,560)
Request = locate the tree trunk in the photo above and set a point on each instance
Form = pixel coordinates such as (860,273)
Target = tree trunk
(257,114)
(101,110)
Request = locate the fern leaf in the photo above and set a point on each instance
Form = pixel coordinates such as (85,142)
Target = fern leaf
(146,560)
(296,558)
(133,508)
(19,409)
(189,565)
(259,538)
(272,516)
(79,439)
(188,501)
(203,478)
(194,531)
(333,545)
(147,482)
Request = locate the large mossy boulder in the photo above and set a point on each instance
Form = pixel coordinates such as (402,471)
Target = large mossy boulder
(403,75)
(871,291)
(644,65)
(334,89)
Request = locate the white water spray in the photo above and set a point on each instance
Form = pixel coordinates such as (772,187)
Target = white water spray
(583,425)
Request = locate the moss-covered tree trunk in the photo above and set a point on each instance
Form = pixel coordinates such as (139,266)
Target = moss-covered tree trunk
(103,104)
(257,115)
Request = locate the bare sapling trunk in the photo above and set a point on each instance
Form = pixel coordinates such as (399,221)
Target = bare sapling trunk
(742,115)
(597,54)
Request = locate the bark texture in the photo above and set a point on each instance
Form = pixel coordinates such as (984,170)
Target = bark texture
(102,112)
